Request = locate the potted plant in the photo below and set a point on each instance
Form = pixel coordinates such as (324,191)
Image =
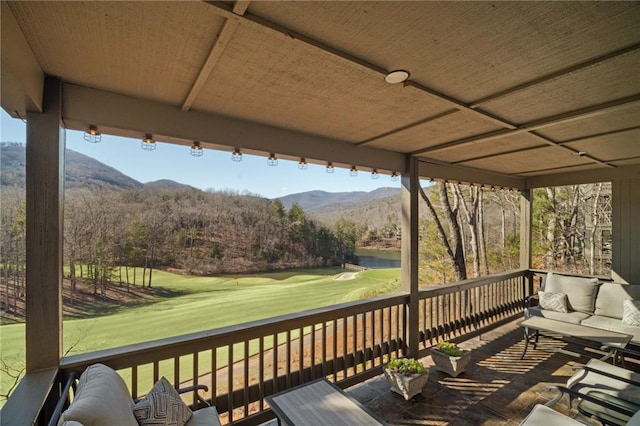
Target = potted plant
(450,358)
(406,376)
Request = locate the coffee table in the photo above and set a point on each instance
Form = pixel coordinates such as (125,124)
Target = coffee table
(608,340)
(320,402)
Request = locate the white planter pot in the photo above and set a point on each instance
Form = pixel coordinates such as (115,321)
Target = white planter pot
(407,386)
(452,365)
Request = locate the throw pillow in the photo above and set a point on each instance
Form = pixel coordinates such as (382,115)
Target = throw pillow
(553,301)
(631,312)
(162,407)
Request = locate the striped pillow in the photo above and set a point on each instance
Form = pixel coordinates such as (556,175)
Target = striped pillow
(553,301)
(631,312)
(162,407)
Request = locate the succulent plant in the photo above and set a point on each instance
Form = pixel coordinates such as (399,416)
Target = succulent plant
(449,348)
(406,366)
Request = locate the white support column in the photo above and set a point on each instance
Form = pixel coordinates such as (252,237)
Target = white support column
(45,186)
(409,254)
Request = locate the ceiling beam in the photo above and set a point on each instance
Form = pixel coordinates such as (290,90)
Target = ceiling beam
(557,74)
(584,176)
(434,170)
(560,143)
(21,79)
(133,117)
(554,120)
(219,45)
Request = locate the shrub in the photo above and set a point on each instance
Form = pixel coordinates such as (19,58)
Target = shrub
(406,366)
(449,348)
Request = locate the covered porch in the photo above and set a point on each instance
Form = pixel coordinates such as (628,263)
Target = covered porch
(504,95)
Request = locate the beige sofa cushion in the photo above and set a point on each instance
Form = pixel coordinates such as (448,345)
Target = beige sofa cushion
(102,398)
(581,292)
(610,298)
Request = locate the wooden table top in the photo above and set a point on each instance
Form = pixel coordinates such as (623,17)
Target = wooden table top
(320,403)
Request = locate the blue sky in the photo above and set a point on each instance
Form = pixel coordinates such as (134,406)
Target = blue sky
(214,170)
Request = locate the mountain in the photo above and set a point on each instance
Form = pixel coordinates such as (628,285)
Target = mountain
(322,200)
(80,170)
(374,209)
(167,184)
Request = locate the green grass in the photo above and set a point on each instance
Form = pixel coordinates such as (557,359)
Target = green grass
(207,303)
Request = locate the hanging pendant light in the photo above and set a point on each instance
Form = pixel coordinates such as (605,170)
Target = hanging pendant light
(330,167)
(92,135)
(196,149)
(148,144)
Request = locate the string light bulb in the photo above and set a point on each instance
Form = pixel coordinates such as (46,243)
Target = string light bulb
(148,144)
(330,167)
(374,174)
(272,160)
(353,171)
(236,155)
(92,135)
(394,176)
(196,149)
(302,164)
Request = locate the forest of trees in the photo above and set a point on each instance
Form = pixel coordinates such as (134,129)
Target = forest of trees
(109,234)
(115,234)
(471,231)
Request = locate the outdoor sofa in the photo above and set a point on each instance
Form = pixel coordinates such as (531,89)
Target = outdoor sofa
(588,302)
(102,398)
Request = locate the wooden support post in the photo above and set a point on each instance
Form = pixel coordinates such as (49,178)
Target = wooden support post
(409,254)
(526,212)
(44,192)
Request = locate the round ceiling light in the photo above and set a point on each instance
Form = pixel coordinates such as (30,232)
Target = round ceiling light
(397,76)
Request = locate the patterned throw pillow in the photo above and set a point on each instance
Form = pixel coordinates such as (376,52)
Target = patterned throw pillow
(631,312)
(162,407)
(553,301)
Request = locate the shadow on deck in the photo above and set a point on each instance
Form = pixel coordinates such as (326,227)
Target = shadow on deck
(497,389)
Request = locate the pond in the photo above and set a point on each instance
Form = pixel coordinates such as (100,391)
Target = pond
(378,259)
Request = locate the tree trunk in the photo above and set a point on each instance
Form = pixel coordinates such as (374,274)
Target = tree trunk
(594,228)
(481,239)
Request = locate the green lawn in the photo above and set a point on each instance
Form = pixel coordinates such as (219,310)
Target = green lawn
(207,303)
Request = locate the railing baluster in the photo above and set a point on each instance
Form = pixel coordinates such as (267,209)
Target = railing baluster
(373,339)
(354,351)
(335,350)
(275,362)
(288,359)
(230,382)
(134,381)
(301,357)
(156,371)
(246,377)
(313,351)
(324,349)
(214,375)
(176,370)
(345,325)
(196,373)
(261,372)
(381,351)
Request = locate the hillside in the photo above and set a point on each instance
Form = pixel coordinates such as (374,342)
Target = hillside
(374,209)
(80,171)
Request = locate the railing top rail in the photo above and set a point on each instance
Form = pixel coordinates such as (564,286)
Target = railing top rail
(471,283)
(193,342)
(543,272)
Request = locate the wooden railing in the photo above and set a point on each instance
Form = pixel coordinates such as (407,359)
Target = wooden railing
(458,309)
(346,343)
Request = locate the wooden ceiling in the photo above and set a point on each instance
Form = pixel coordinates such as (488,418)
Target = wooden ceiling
(509,93)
